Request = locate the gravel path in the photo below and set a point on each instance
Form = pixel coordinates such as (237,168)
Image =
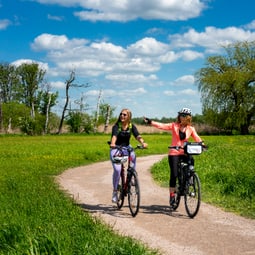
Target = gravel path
(212,231)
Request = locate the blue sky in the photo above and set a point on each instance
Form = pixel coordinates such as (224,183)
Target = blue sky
(141,54)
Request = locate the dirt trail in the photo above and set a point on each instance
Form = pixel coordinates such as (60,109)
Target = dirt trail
(211,232)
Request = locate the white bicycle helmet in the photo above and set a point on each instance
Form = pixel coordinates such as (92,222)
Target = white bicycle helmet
(119,159)
(185,111)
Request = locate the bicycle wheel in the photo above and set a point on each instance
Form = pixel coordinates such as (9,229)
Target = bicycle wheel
(120,190)
(133,193)
(192,196)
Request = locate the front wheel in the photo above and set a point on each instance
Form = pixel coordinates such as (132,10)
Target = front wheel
(133,193)
(192,196)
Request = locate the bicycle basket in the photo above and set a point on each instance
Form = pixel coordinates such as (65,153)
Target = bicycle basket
(193,148)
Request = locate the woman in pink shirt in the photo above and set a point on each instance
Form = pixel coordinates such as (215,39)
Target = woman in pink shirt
(181,130)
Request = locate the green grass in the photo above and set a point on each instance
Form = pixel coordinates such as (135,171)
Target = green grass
(37,218)
(226,172)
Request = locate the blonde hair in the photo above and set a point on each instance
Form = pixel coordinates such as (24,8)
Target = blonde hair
(187,122)
(129,115)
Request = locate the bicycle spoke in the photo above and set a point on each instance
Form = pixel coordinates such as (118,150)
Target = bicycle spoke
(193,196)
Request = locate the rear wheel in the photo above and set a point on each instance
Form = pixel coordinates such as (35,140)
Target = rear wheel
(133,194)
(120,191)
(192,196)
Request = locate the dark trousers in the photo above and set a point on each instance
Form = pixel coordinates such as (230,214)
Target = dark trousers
(173,164)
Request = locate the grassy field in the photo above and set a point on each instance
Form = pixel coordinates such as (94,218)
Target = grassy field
(37,218)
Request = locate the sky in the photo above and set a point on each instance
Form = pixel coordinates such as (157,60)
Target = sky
(136,54)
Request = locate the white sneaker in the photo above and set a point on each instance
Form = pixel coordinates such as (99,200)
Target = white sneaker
(114,197)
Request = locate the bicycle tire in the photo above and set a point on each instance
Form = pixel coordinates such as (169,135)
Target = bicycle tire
(133,193)
(120,191)
(192,196)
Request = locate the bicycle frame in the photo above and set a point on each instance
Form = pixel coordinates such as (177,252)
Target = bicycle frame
(129,184)
(185,171)
(188,183)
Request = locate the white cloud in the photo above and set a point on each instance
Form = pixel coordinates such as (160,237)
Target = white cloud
(212,39)
(189,92)
(121,93)
(100,58)
(155,31)
(43,66)
(4,23)
(57,84)
(184,80)
(57,18)
(138,62)
(132,78)
(190,55)
(181,93)
(148,46)
(169,93)
(250,26)
(125,10)
(55,42)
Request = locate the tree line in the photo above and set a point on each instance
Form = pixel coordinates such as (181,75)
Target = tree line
(27,100)
(226,83)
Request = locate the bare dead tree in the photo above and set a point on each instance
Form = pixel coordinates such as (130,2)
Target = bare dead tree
(97,111)
(107,119)
(69,83)
(47,113)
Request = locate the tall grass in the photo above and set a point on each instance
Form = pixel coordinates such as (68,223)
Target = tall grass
(37,218)
(226,172)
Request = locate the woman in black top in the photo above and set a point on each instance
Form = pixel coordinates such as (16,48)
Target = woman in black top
(121,134)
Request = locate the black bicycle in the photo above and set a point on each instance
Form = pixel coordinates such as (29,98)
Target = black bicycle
(187,182)
(128,182)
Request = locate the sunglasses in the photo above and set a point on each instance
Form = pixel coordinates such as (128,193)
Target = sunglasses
(183,114)
(123,114)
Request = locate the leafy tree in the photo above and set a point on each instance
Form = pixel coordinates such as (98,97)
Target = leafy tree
(22,89)
(31,77)
(13,112)
(8,87)
(9,83)
(105,111)
(79,122)
(227,87)
(47,101)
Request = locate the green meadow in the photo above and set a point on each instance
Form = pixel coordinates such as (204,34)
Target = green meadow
(38,218)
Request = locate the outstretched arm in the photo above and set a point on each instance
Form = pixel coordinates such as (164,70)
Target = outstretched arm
(159,125)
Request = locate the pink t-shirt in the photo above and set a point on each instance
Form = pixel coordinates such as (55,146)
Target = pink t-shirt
(175,127)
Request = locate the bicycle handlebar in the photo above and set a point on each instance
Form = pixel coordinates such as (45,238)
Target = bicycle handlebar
(130,148)
(204,147)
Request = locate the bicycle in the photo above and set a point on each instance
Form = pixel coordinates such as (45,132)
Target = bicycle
(128,183)
(188,183)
